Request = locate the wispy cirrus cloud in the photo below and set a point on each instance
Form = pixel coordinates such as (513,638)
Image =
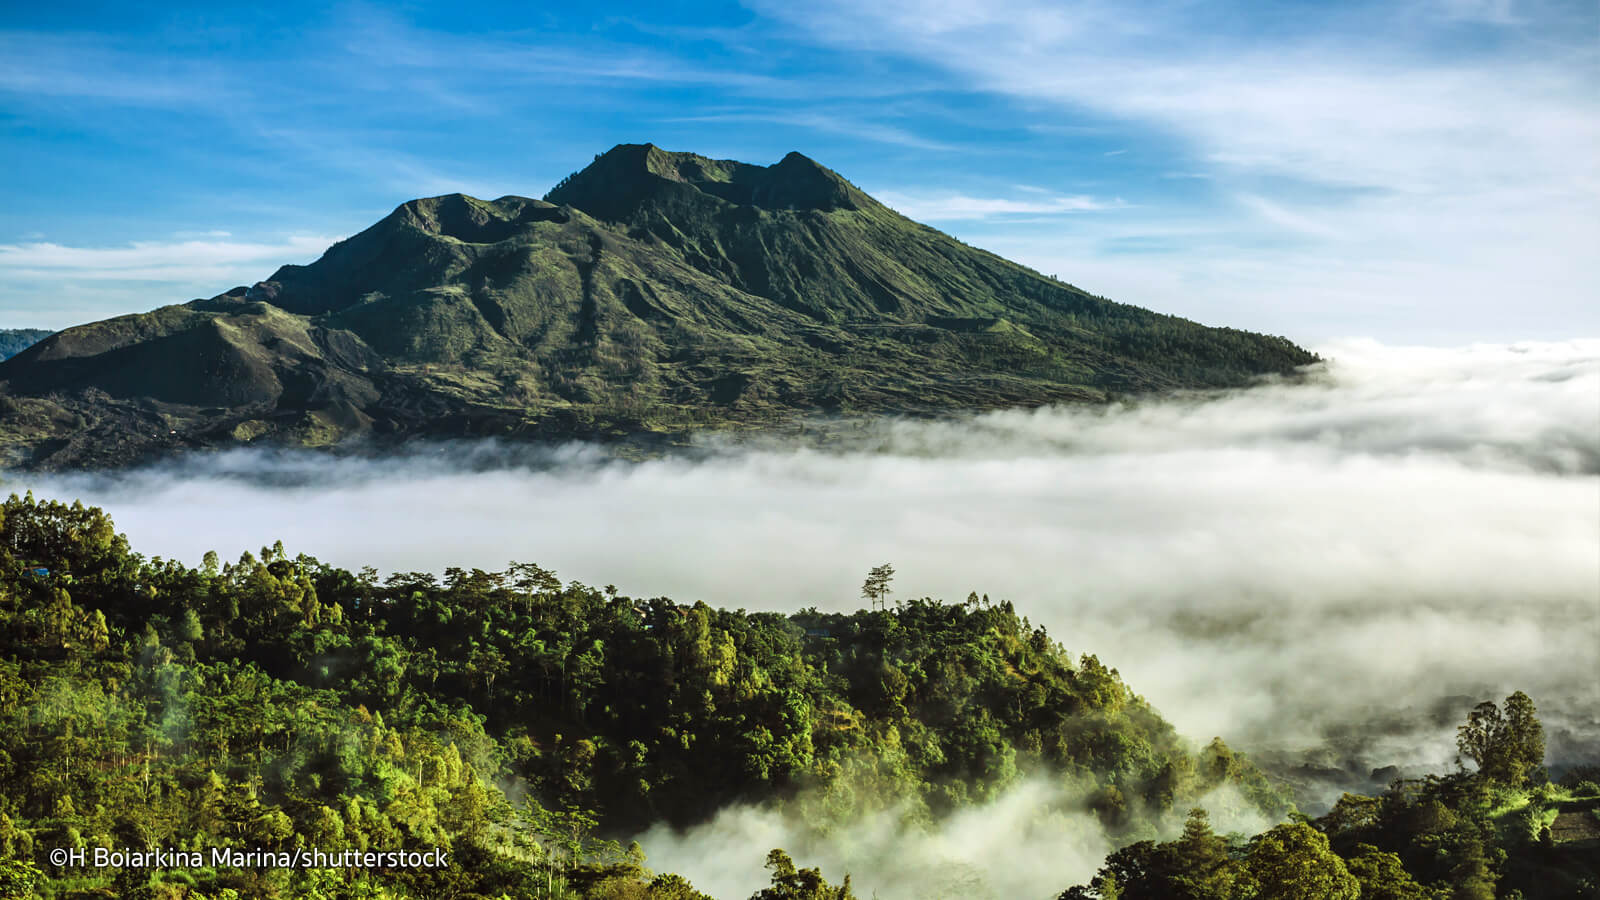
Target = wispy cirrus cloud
(507,60)
(953,207)
(35,65)
(1493,12)
(1287,218)
(830,121)
(1390,151)
(86,283)
(179,260)
(1338,106)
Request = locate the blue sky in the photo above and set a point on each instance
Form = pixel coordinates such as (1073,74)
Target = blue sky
(1422,172)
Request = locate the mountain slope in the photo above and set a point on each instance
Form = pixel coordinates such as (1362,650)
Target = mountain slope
(650,293)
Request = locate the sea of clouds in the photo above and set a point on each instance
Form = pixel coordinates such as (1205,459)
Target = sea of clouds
(1327,571)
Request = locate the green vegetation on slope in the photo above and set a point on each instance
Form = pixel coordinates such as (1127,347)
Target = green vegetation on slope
(652,293)
(1462,836)
(521,723)
(527,726)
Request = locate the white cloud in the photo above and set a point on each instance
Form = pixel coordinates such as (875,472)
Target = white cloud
(1493,12)
(1343,109)
(1272,566)
(951,206)
(389,44)
(830,122)
(1402,170)
(1287,218)
(182,260)
(37,65)
(85,284)
(1032,840)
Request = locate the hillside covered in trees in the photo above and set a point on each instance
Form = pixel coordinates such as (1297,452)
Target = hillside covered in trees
(1502,830)
(650,295)
(530,727)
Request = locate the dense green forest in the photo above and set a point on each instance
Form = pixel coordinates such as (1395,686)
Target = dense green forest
(530,727)
(1502,830)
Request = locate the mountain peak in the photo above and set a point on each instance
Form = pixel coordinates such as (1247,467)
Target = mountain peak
(795,158)
(469,219)
(799,182)
(630,177)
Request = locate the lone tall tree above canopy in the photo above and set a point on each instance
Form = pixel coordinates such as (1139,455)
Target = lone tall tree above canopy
(876,587)
(1507,745)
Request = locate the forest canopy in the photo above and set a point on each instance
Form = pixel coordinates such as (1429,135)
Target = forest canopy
(530,727)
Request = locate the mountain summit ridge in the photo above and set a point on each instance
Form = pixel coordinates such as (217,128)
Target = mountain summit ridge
(650,293)
(627,176)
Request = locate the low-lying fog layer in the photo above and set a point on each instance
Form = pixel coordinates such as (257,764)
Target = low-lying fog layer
(1346,564)
(1033,841)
